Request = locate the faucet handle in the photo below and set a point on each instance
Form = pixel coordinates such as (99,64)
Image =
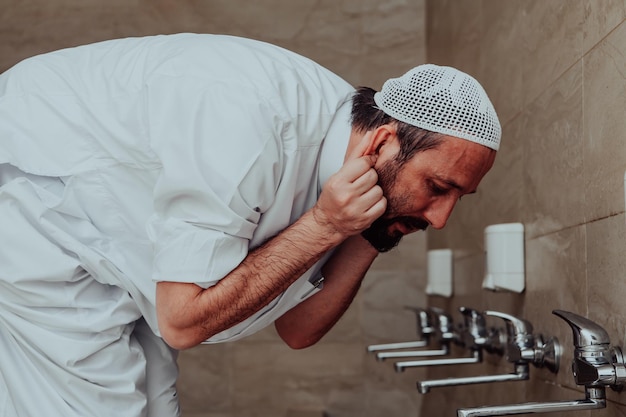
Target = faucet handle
(444,323)
(586,332)
(520,339)
(424,321)
(515,326)
(475,326)
(525,347)
(596,362)
(472,317)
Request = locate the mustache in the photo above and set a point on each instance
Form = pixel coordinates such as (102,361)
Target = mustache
(412,223)
(383,240)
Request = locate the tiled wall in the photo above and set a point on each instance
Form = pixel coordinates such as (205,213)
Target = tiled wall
(259,376)
(366,42)
(556,72)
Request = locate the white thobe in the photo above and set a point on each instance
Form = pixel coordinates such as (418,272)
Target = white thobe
(129,162)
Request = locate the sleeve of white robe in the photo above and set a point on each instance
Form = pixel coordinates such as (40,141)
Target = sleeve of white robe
(220,152)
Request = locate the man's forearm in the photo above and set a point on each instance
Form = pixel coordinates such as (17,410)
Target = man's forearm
(189,314)
(308,322)
(349,203)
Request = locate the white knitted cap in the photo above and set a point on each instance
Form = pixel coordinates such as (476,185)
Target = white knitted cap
(443,100)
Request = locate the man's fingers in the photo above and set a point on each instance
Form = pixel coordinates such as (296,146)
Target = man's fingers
(355,168)
(361,148)
(375,202)
(352,199)
(366,181)
(378,209)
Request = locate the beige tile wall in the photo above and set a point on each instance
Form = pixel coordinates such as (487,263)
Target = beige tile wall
(366,42)
(259,376)
(556,73)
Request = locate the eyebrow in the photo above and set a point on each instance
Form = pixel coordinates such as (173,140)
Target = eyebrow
(453,184)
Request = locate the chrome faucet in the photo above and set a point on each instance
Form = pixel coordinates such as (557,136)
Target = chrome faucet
(474,336)
(443,329)
(525,347)
(596,365)
(522,349)
(424,330)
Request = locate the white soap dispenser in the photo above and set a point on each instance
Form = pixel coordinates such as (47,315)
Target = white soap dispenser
(504,253)
(439,272)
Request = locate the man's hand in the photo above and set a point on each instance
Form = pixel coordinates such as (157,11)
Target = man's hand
(351,199)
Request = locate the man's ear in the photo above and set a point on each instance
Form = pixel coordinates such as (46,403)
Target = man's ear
(371,142)
(381,136)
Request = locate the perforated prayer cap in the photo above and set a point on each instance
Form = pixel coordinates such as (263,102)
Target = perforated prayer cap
(444,100)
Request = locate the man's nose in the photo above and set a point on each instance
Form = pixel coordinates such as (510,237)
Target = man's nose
(439,212)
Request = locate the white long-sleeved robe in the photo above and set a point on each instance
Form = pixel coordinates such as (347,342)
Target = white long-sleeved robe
(129,162)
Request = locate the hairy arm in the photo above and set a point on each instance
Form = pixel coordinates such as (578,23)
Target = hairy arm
(349,203)
(306,323)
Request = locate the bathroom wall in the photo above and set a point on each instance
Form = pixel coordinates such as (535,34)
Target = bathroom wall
(366,42)
(556,73)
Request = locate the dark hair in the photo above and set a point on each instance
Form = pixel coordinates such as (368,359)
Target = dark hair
(367,116)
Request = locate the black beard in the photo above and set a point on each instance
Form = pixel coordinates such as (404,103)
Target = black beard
(379,237)
(382,240)
(378,234)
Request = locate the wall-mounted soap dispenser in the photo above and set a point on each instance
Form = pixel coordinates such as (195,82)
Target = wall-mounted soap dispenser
(439,272)
(504,253)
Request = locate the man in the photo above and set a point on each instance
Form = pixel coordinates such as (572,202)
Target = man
(161,192)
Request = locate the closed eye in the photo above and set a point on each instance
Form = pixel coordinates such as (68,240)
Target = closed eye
(439,190)
(436,189)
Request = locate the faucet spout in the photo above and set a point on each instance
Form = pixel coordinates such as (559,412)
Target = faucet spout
(595,399)
(475,358)
(381,356)
(521,374)
(398,345)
